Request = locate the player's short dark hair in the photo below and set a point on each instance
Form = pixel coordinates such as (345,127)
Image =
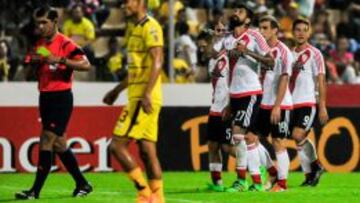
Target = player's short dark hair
(249,12)
(47,11)
(301,21)
(204,35)
(273,22)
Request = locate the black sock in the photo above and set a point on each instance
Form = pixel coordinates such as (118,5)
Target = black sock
(44,166)
(70,163)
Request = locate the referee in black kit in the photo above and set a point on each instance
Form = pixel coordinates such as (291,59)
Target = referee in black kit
(54,58)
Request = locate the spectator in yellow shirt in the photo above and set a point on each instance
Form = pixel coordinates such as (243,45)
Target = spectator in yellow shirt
(4,65)
(287,21)
(81,30)
(164,10)
(114,59)
(182,71)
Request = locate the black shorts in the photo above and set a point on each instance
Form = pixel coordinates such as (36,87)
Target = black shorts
(219,130)
(303,118)
(55,110)
(245,110)
(264,127)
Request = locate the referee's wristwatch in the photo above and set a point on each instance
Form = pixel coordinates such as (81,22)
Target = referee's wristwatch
(63,61)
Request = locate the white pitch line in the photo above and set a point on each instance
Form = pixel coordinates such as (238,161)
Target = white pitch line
(104,193)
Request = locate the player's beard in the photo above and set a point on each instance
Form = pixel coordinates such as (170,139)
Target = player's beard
(234,22)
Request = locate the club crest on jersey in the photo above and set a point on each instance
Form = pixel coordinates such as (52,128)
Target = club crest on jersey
(53,67)
(244,40)
(153,32)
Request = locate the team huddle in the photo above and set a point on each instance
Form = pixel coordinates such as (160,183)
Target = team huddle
(260,88)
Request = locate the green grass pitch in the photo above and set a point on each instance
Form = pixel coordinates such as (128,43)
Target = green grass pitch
(184,187)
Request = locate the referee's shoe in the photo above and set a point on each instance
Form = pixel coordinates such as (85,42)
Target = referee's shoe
(82,191)
(26,194)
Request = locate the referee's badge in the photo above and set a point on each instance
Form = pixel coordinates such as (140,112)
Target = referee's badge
(52,67)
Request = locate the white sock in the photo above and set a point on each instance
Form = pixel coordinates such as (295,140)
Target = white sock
(283,164)
(310,150)
(241,151)
(218,168)
(253,159)
(304,161)
(265,159)
(215,167)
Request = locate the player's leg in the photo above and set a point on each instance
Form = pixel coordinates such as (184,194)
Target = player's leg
(255,119)
(226,139)
(279,133)
(262,128)
(283,163)
(119,149)
(215,162)
(215,132)
(241,160)
(153,168)
(229,149)
(124,131)
(242,110)
(267,165)
(253,160)
(146,132)
(303,121)
(68,159)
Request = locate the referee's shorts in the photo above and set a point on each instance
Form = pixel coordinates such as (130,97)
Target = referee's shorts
(55,110)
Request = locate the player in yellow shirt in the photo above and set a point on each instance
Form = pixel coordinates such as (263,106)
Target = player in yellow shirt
(139,120)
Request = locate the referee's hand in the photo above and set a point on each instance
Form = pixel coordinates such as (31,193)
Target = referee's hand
(110,97)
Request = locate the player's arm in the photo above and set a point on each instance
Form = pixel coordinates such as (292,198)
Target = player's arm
(276,111)
(318,68)
(323,115)
(112,95)
(267,60)
(156,53)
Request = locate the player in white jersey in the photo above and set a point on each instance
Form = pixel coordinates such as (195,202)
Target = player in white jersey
(219,125)
(308,75)
(276,103)
(247,50)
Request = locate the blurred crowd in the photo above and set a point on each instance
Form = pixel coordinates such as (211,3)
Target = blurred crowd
(335,27)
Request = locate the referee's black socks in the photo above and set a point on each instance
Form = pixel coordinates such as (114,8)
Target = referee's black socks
(44,166)
(72,166)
